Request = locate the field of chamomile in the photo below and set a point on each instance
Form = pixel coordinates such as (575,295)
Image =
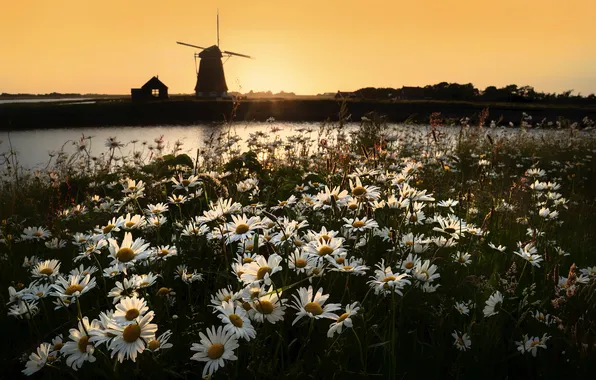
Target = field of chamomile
(366,253)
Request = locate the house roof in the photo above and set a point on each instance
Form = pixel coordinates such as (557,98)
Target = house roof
(154,83)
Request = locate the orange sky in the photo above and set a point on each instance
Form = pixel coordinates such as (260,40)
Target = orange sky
(303,46)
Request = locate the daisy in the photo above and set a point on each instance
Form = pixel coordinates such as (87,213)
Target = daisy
(528,252)
(128,251)
(224,295)
(112,226)
(129,310)
(82,271)
(344,320)
(495,299)
(312,306)
(35,233)
(410,263)
(321,248)
(300,261)
(126,288)
(360,225)
(236,319)
(425,272)
(74,286)
(133,222)
(78,349)
(46,269)
(242,228)
(156,209)
(156,221)
(451,225)
(27,309)
(145,280)
(462,341)
(368,192)
(261,269)
(37,360)
(352,265)
(385,281)
(462,258)
(161,342)
(130,340)
(214,349)
(269,307)
(177,199)
(500,248)
(462,308)
(185,183)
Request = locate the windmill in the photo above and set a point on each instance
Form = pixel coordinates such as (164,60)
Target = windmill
(211,81)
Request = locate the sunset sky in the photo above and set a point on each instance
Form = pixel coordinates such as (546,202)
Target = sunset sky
(304,46)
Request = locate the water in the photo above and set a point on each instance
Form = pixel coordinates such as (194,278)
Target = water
(35,146)
(42,100)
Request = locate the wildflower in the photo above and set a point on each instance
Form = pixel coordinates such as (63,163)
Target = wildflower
(35,233)
(462,258)
(46,269)
(500,248)
(242,228)
(360,225)
(462,341)
(385,281)
(79,349)
(214,349)
(425,272)
(344,320)
(236,319)
(130,340)
(128,252)
(312,306)
(493,301)
(462,308)
(269,307)
(528,252)
(161,342)
(129,310)
(73,286)
(37,360)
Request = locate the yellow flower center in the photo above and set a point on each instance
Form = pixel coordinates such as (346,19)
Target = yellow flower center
(163,252)
(83,343)
(154,344)
(246,306)
(236,320)
(163,291)
(46,271)
(131,333)
(325,250)
(386,280)
(38,233)
(73,289)
(215,351)
(409,265)
(314,308)
(246,260)
(132,314)
(227,298)
(340,260)
(358,224)
(413,218)
(125,255)
(58,346)
(300,263)
(298,243)
(353,206)
(130,224)
(185,182)
(348,267)
(264,307)
(108,228)
(242,229)
(39,294)
(262,272)
(51,358)
(283,203)
(342,317)
(324,238)
(358,191)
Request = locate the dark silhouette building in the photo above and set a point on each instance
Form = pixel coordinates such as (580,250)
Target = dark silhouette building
(349,95)
(211,81)
(154,89)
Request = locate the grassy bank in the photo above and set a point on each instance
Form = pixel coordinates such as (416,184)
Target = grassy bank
(185,111)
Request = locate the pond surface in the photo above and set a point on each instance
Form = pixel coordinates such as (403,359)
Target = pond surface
(35,146)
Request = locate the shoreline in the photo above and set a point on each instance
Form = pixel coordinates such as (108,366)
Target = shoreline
(122,112)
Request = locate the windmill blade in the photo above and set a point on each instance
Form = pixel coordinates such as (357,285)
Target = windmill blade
(185,44)
(237,54)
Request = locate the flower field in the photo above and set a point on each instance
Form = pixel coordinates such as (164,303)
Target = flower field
(463,253)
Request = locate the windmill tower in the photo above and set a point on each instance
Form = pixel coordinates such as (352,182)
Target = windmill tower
(211,80)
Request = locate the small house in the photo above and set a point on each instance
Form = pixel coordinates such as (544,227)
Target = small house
(154,89)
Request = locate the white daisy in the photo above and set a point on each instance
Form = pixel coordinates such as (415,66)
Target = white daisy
(130,340)
(313,306)
(129,310)
(343,320)
(214,349)
(236,319)
(37,360)
(79,349)
(495,299)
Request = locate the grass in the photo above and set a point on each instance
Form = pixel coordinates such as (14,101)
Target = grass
(483,185)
